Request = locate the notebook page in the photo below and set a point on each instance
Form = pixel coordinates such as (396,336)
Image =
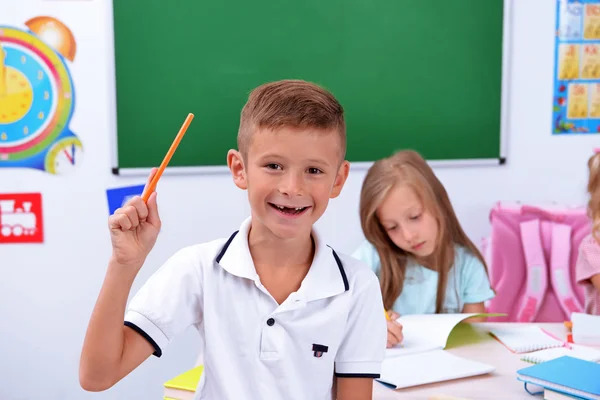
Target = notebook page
(430,329)
(432,366)
(523,339)
(581,352)
(424,332)
(586,328)
(407,347)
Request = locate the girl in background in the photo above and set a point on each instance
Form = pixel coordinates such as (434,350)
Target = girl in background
(424,260)
(587,269)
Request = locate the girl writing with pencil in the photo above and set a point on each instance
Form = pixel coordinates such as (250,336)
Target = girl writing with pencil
(424,260)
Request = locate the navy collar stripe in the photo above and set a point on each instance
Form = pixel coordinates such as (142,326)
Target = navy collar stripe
(224,249)
(341,267)
(337,259)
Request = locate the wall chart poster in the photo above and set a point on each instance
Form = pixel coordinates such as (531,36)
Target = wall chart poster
(37,97)
(576,104)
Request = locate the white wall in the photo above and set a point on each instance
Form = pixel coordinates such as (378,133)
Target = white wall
(47,291)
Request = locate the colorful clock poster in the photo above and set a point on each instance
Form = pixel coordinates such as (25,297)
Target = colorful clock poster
(576,104)
(21,218)
(37,97)
(117,197)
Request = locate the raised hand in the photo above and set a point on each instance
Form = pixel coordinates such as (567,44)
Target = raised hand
(134,229)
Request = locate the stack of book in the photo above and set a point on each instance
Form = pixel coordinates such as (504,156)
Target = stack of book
(564,378)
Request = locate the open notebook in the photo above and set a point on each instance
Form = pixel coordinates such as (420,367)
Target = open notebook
(424,332)
(421,358)
(524,339)
(429,367)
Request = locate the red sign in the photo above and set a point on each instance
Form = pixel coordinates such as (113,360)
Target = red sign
(21,218)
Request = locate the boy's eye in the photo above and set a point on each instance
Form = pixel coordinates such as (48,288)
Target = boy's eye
(314,171)
(273,166)
(415,217)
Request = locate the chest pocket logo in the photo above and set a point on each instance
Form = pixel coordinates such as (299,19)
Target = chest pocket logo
(319,349)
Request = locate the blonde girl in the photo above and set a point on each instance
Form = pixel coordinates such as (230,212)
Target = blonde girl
(587,269)
(424,260)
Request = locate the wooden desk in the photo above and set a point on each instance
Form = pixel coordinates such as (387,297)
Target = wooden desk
(472,341)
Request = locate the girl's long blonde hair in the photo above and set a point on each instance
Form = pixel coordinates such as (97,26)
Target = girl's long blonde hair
(593,189)
(409,168)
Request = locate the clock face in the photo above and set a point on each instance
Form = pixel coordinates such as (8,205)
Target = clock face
(36,100)
(64,155)
(29,102)
(16,102)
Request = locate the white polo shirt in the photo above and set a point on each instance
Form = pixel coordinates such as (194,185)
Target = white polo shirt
(254,348)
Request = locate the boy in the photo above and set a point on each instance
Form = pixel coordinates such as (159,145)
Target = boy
(281,315)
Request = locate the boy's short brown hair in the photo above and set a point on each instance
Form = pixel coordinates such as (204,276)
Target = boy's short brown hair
(293,103)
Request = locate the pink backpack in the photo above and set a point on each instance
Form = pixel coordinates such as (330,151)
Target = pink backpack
(531,255)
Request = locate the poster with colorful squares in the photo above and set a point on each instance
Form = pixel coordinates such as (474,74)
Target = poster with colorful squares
(576,97)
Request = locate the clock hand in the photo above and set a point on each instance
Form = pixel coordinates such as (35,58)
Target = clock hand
(2,72)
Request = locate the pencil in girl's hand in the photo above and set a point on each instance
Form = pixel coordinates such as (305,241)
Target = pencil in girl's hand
(152,186)
(387,316)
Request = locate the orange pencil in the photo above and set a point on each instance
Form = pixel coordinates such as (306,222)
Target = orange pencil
(152,186)
(568,325)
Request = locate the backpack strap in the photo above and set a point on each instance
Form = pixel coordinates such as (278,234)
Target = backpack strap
(537,275)
(560,272)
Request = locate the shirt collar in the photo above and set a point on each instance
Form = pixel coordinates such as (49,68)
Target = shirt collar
(325,278)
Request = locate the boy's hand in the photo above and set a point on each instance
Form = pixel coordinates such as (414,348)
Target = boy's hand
(134,229)
(394,330)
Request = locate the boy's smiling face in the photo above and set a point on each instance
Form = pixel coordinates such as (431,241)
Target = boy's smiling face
(290,174)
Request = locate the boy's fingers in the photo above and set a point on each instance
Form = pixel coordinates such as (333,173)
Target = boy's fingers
(132,214)
(153,217)
(120,221)
(150,177)
(141,208)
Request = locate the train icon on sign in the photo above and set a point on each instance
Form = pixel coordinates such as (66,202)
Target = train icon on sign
(16,222)
(21,218)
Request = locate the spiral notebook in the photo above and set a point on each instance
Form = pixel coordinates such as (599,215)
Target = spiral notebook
(524,339)
(580,352)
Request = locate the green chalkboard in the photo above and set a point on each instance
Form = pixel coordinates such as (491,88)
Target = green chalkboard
(425,75)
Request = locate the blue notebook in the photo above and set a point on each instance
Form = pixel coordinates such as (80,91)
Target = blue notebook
(565,374)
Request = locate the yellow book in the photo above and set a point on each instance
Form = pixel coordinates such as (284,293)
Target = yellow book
(183,386)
